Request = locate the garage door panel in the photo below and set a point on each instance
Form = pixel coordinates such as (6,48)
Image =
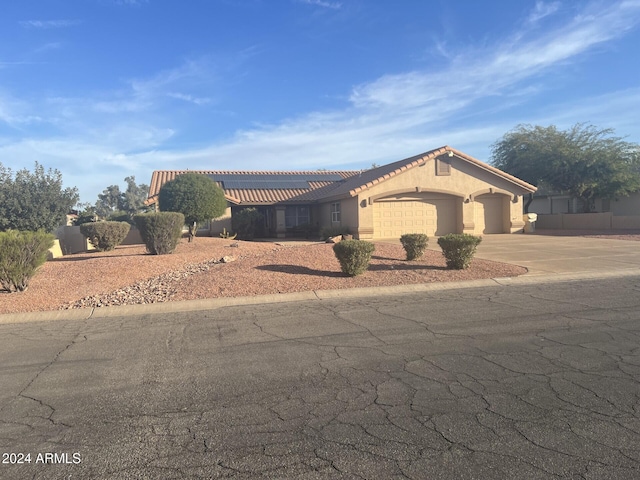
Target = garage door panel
(489,214)
(431,217)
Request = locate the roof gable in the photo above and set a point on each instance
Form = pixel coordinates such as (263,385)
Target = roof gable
(369,178)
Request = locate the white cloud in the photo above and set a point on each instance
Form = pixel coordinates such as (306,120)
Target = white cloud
(542,10)
(323,4)
(190,98)
(49,23)
(492,72)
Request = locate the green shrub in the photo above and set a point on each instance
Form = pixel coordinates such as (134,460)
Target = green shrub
(458,249)
(120,216)
(21,254)
(329,232)
(354,256)
(105,235)
(160,231)
(247,223)
(414,244)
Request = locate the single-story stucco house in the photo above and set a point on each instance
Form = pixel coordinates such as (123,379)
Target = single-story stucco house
(437,192)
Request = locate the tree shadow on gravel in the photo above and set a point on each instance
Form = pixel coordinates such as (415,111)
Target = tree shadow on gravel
(300,270)
(404,267)
(96,257)
(377,257)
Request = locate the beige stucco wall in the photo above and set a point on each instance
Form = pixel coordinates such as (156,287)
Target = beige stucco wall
(217,225)
(72,241)
(465,183)
(588,221)
(626,205)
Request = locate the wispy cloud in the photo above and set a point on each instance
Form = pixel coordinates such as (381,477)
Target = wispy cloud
(542,10)
(48,47)
(190,98)
(496,69)
(49,23)
(133,3)
(323,4)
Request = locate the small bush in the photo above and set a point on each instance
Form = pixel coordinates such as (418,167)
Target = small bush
(354,256)
(414,244)
(247,223)
(105,235)
(330,232)
(458,249)
(160,231)
(22,253)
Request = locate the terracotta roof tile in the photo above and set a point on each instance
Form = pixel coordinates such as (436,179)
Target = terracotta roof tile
(251,196)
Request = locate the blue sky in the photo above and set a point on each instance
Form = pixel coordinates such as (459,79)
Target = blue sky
(104,89)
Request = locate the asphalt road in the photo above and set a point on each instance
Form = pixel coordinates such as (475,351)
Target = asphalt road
(536,381)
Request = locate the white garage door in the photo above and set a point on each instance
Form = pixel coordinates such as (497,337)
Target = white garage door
(393,218)
(489,216)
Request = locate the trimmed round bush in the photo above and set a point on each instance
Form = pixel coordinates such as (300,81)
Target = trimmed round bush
(458,249)
(354,256)
(160,231)
(22,253)
(414,244)
(105,236)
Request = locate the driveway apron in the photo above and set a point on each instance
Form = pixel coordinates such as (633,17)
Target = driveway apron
(547,254)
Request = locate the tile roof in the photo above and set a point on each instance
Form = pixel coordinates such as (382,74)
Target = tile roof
(321,185)
(300,186)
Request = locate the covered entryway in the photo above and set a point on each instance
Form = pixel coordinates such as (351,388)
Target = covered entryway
(489,213)
(421,213)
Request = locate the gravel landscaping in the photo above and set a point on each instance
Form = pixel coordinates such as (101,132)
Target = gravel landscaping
(127,275)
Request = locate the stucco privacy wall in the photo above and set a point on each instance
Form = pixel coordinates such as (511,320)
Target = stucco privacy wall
(467,187)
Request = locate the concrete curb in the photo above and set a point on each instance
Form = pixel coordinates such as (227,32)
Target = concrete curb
(215,303)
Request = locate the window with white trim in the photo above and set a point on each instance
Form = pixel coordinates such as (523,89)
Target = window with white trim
(335,212)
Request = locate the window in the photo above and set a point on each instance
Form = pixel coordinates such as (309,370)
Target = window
(443,167)
(295,216)
(335,213)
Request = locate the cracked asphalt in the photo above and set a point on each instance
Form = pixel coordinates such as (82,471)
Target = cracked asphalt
(518,381)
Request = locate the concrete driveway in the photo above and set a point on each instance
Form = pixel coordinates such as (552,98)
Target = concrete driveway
(547,254)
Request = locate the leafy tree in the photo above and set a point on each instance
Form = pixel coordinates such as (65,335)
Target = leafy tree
(583,161)
(109,201)
(133,198)
(34,200)
(86,214)
(112,200)
(194,195)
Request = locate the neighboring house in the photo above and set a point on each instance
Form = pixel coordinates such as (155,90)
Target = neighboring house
(438,192)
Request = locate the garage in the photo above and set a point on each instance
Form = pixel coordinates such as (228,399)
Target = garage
(489,213)
(395,216)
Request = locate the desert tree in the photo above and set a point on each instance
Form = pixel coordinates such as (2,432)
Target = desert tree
(194,195)
(584,161)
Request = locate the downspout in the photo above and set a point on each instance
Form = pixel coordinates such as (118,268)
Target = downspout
(529,200)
